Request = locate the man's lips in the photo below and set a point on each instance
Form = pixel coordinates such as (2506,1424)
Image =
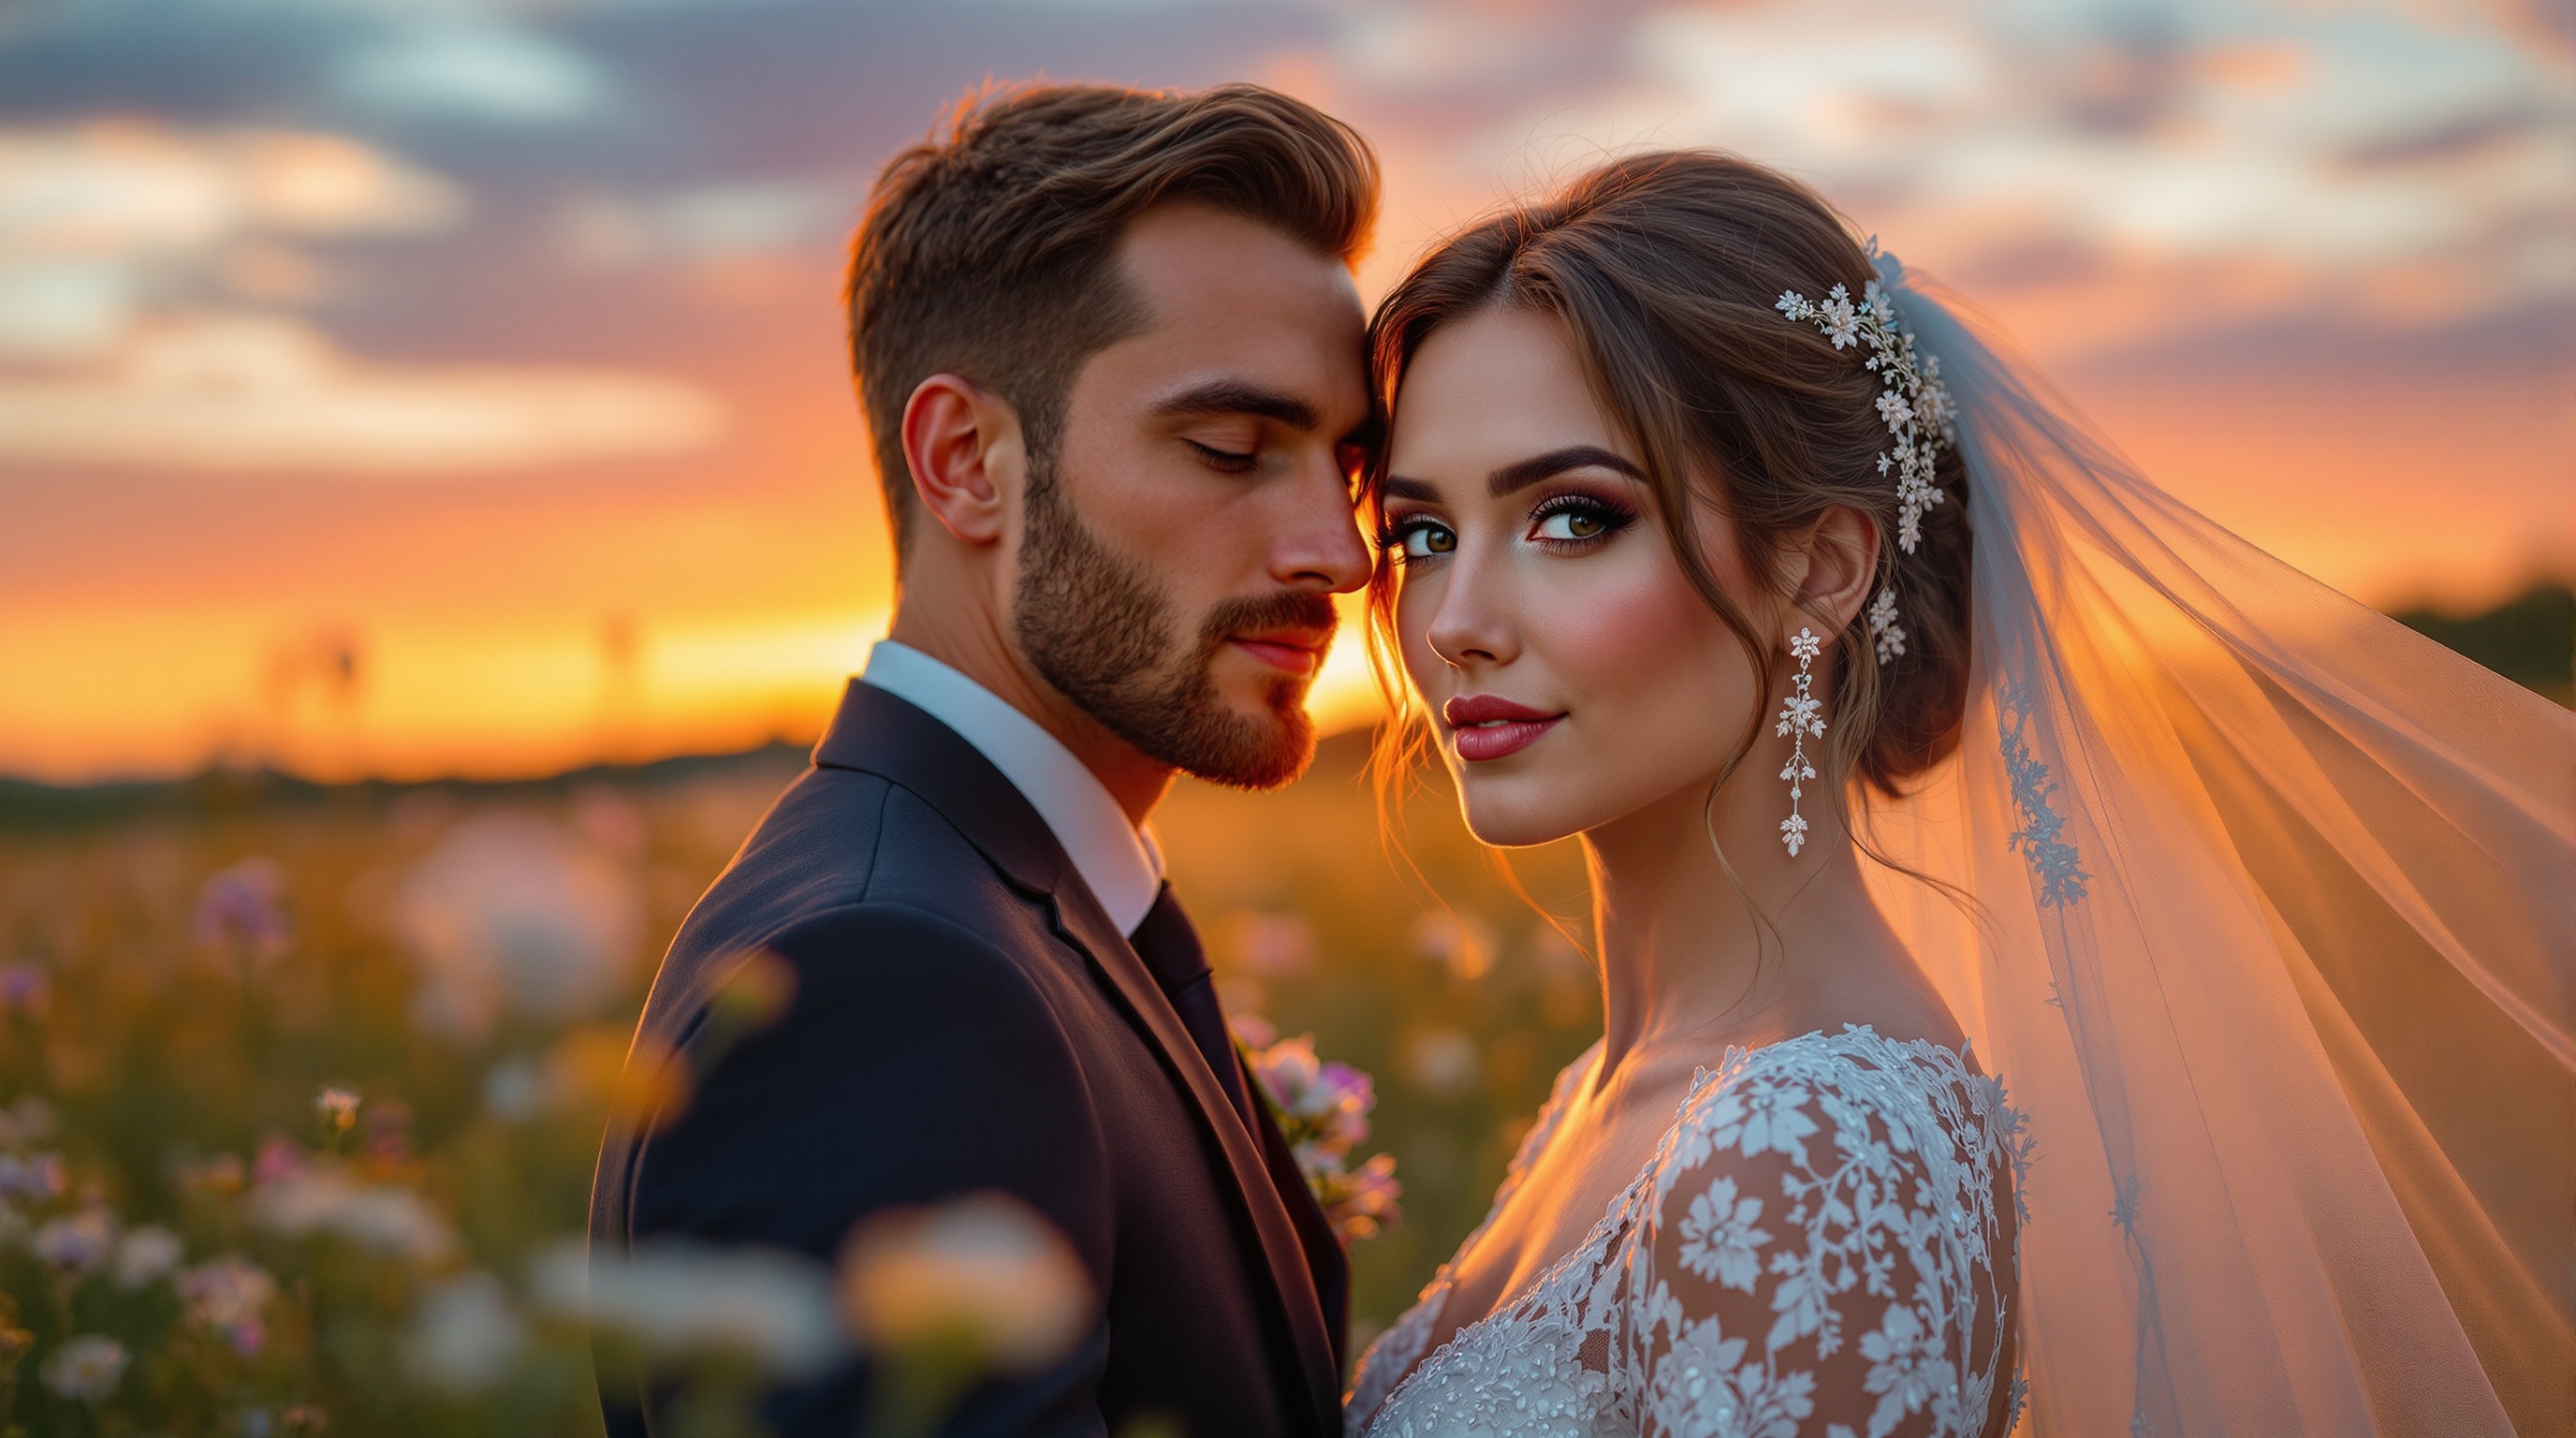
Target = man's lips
(1298,652)
(1487,726)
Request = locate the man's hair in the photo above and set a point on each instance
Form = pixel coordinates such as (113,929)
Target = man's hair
(988,250)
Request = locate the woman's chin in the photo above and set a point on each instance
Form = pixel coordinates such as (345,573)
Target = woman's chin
(1515,821)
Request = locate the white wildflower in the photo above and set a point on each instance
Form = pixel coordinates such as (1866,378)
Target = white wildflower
(79,1241)
(87,1368)
(465,1336)
(146,1256)
(677,1300)
(226,1292)
(510,912)
(324,1199)
(987,1269)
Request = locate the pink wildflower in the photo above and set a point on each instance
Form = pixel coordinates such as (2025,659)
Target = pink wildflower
(241,907)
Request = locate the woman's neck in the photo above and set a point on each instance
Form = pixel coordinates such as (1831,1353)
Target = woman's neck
(1688,949)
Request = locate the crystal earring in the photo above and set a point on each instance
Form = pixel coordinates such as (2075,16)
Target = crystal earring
(1801,714)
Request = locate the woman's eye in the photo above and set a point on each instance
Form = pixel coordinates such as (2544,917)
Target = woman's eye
(1573,524)
(1421,539)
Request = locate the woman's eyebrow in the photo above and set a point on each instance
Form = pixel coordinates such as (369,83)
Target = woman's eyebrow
(1398,487)
(1521,474)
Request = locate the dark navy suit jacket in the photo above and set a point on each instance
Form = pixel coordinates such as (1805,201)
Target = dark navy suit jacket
(966,1018)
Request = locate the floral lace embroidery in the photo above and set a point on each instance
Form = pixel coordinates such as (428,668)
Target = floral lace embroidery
(1811,1252)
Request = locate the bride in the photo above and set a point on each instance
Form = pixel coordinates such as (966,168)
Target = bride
(1934,770)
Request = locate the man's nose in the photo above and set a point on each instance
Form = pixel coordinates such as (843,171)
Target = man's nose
(1319,545)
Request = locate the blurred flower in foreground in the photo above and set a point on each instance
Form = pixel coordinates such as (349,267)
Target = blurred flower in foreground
(940,1298)
(242,909)
(510,912)
(1441,1061)
(88,1367)
(29,1120)
(77,1242)
(321,1197)
(38,1175)
(25,988)
(146,1256)
(1270,946)
(676,1302)
(1322,1110)
(338,1108)
(229,1295)
(464,1336)
(1460,943)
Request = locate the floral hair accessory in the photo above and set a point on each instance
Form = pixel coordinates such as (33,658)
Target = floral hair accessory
(1914,405)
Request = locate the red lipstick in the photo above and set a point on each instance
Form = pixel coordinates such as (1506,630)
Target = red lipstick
(1487,726)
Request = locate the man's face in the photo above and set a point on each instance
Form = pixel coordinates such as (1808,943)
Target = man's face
(1180,548)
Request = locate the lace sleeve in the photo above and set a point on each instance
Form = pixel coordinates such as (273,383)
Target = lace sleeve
(1815,1263)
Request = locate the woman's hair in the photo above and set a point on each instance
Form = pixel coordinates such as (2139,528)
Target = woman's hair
(1665,269)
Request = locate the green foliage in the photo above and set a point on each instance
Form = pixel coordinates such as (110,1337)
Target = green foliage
(2530,640)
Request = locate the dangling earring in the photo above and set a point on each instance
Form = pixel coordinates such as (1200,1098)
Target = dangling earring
(1801,714)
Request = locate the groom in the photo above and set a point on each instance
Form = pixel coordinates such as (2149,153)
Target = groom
(1109,349)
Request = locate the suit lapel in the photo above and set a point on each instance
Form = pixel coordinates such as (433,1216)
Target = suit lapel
(1080,921)
(883,735)
(1325,1261)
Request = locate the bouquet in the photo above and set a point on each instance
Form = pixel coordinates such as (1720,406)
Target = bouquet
(1322,1110)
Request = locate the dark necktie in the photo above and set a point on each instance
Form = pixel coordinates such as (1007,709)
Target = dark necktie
(1169,945)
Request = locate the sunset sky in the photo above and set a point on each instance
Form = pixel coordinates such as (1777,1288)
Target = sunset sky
(418,387)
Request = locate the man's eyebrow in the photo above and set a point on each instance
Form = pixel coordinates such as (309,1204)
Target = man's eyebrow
(1521,474)
(1229,396)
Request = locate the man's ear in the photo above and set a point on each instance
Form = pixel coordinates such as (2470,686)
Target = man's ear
(1840,561)
(961,442)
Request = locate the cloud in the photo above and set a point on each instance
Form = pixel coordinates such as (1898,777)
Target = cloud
(99,220)
(2384,165)
(474,69)
(709,222)
(239,394)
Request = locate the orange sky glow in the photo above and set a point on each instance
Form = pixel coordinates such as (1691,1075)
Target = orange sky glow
(357,444)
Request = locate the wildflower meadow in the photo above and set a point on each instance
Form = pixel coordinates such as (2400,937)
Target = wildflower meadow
(300,1089)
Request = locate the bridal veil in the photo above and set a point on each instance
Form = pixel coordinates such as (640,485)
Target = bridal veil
(2272,931)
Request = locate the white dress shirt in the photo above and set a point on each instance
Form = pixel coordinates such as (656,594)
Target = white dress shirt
(1120,861)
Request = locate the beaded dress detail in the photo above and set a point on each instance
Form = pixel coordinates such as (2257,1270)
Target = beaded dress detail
(1812,1252)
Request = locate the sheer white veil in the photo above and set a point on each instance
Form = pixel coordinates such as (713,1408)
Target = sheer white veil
(2274,939)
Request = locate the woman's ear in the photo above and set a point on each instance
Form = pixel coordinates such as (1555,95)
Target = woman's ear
(957,440)
(1840,560)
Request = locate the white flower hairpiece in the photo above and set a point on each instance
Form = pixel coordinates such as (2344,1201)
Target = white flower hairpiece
(1914,406)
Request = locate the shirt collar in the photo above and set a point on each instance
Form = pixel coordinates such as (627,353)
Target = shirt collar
(1121,861)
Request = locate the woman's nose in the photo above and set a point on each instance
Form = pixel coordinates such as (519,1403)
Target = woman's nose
(1470,624)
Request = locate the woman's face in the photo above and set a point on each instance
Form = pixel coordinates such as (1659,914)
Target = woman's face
(1573,673)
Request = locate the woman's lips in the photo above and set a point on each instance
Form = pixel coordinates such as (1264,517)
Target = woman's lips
(1487,727)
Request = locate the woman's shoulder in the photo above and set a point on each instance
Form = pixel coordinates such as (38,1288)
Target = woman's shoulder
(1824,1099)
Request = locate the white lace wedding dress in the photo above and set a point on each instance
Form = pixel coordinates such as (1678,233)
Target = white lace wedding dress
(1823,1244)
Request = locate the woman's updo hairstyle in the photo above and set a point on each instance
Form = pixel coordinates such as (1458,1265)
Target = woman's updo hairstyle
(1665,269)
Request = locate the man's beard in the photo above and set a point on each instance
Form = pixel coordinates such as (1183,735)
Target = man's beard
(1100,629)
